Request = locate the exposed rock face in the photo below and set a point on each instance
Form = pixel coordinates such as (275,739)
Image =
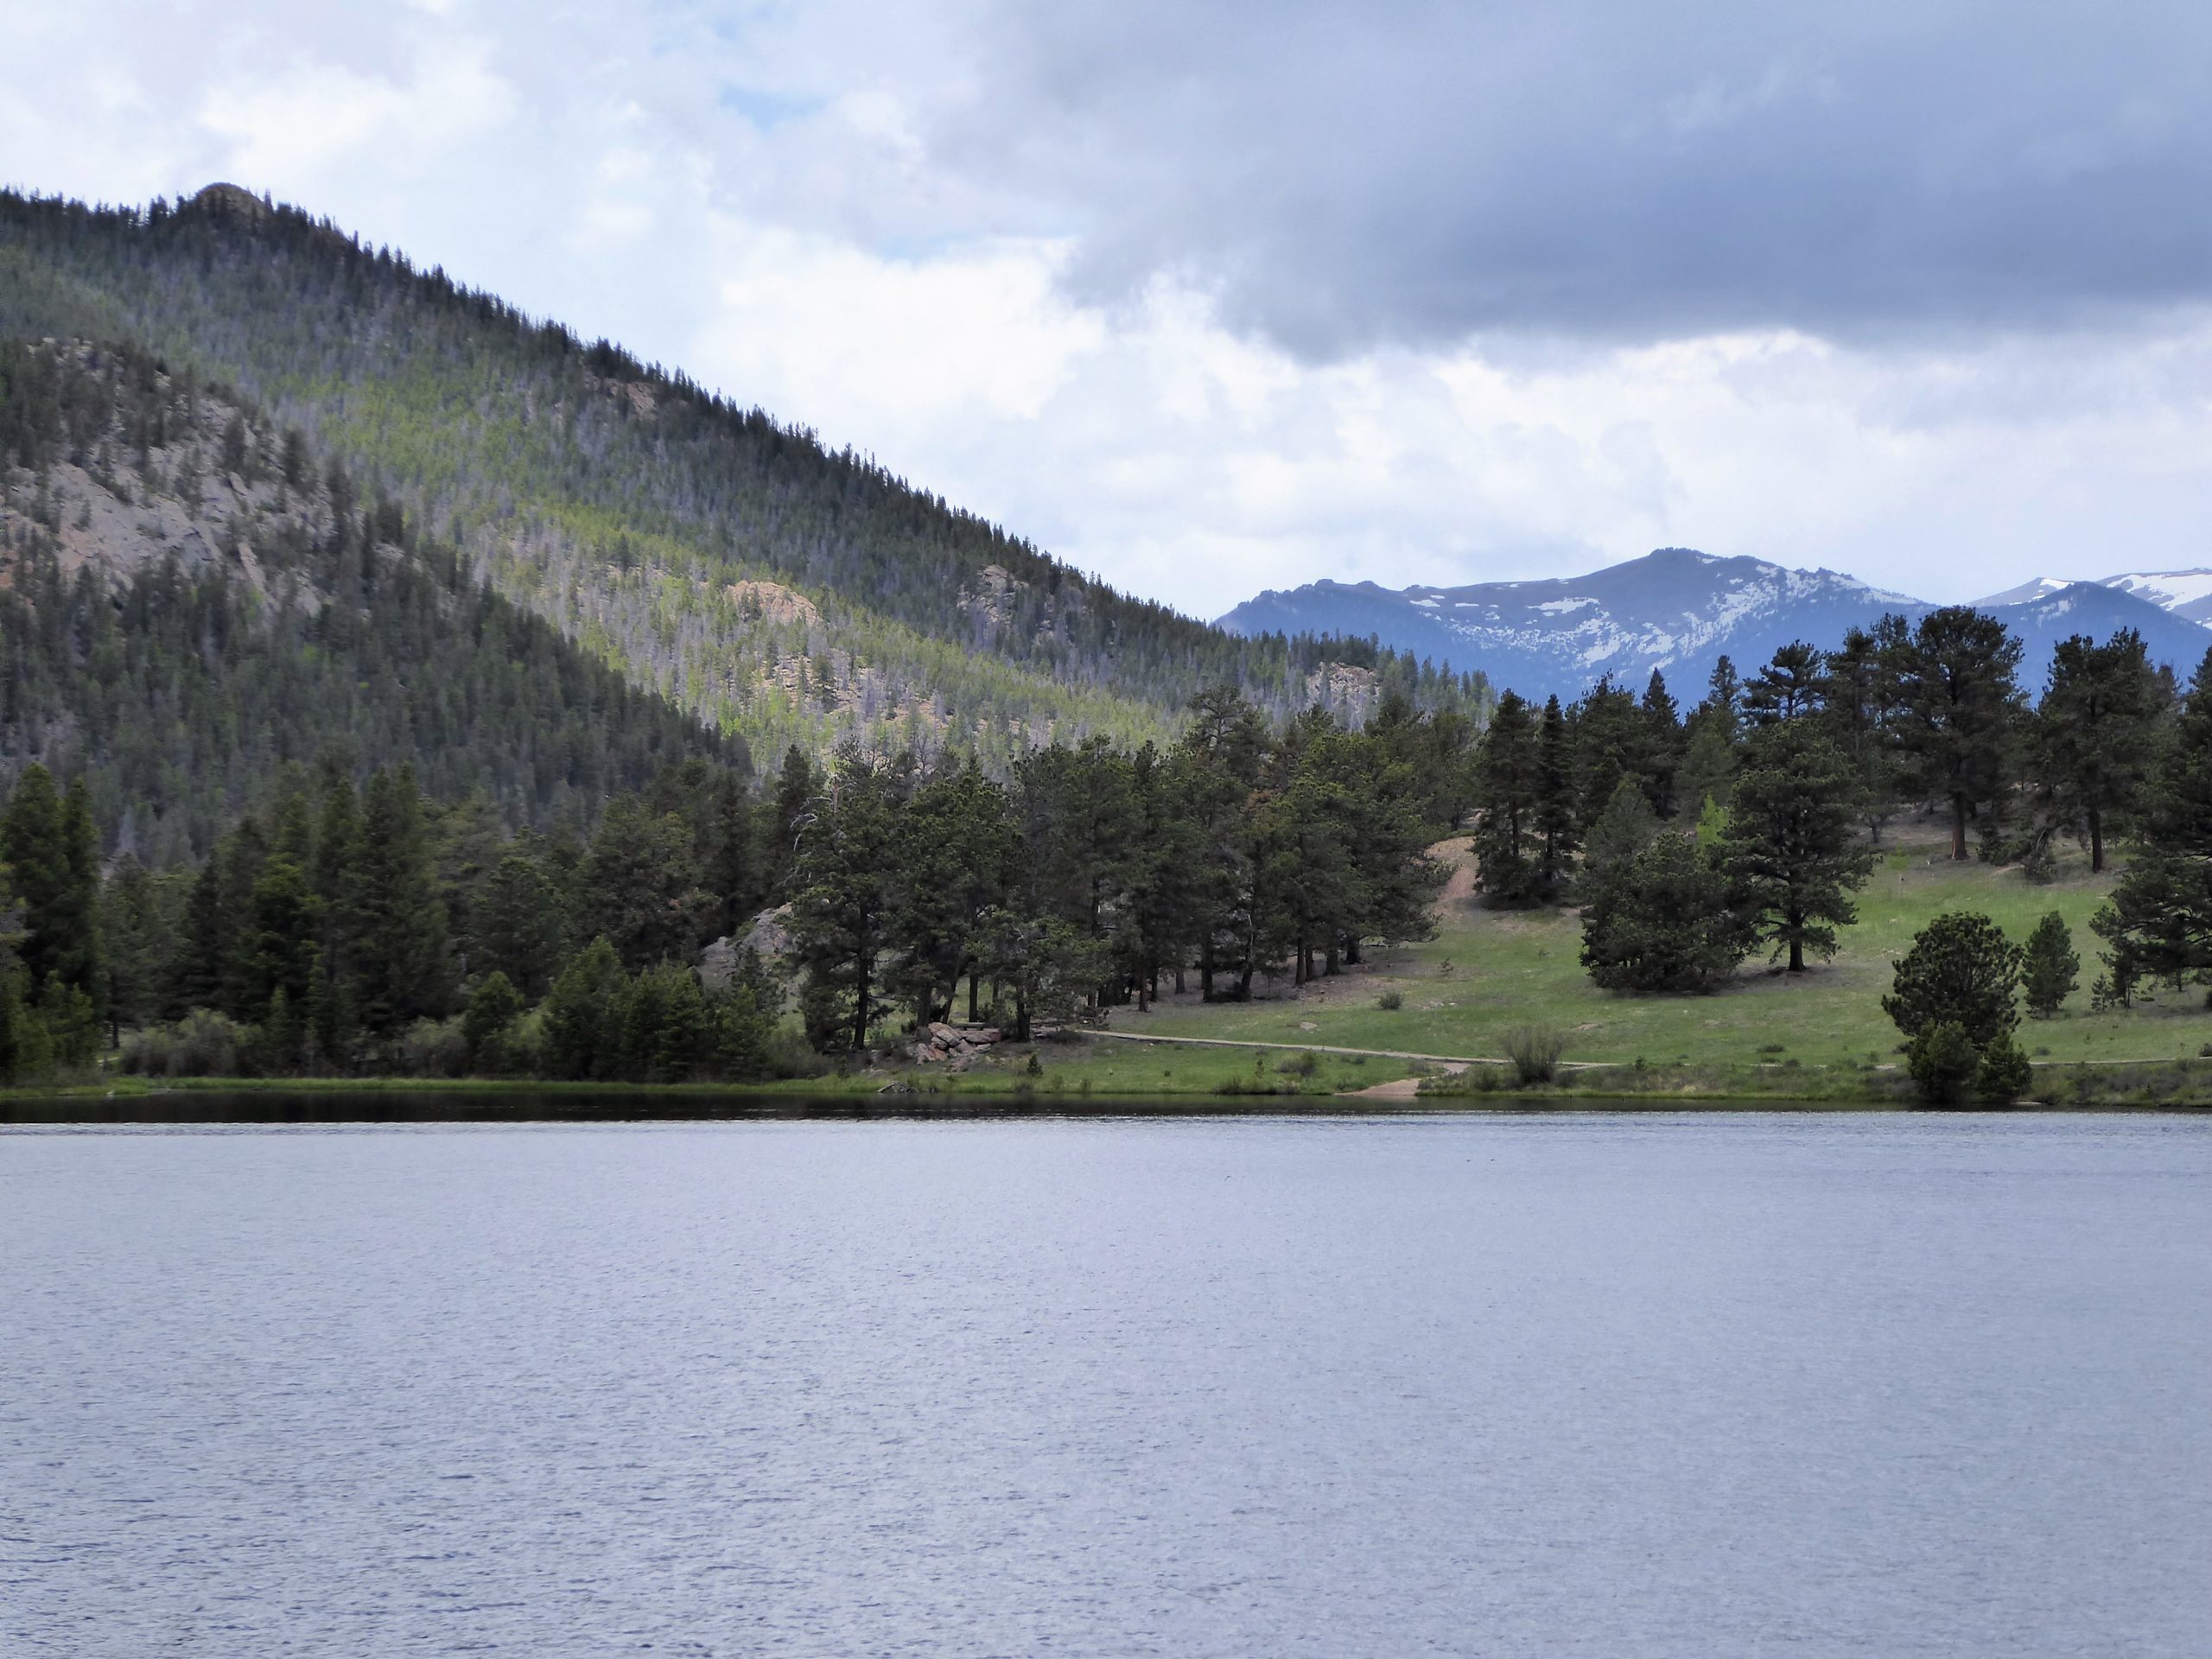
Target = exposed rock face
(954,1046)
(770,934)
(717,963)
(231,199)
(776,603)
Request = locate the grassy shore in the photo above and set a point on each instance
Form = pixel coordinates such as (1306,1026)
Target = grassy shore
(1817,1038)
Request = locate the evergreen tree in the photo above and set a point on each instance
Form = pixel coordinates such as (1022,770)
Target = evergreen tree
(1508,788)
(2096,733)
(955,861)
(1790,687)
(1952,998)
(1959,709)
(1860,699)
(1607,738)
(43,875)
(521,920)
(640,888)
(1623,829)
(137,926)
(1663,747)
(2050,969)
(582,1030)
(845,880)
(1663,920)
(1789,845)
(402,966)
(1708,770)
(1556,816)
(2157,923)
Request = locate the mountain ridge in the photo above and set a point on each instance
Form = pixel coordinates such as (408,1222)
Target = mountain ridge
(635,511)
(1677,611)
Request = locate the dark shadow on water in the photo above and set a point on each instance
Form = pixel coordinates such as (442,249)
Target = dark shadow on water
(633,1106)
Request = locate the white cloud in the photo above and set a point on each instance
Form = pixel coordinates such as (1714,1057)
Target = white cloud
(755,196)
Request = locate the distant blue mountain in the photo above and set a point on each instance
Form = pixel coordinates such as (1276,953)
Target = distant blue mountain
(1678,610)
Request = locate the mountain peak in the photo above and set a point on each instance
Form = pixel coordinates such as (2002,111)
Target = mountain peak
(1676,610)
(234,200)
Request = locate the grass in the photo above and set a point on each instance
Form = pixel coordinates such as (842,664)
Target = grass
(1488,972)
(1821,1037)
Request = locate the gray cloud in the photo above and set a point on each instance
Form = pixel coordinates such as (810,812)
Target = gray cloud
(1342,175)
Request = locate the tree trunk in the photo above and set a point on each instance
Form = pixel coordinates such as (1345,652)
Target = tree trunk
(1958,829)
(971,996)
(2096,841)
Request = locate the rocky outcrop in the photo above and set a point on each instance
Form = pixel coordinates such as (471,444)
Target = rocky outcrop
(954,1047)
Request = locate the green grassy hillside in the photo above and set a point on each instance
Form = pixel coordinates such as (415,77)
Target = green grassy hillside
(1487,971)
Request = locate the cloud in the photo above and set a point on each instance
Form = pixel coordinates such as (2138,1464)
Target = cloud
(1211,299)
(1415,173)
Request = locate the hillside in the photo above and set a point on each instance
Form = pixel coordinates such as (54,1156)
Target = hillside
(1679,611)
(779,589)
(189,607)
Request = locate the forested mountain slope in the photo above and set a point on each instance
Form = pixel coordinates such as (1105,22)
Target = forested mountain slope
(779,589)
(191,606)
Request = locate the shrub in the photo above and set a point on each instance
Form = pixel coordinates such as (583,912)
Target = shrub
(1943,1062)
(2004,1074)
(1303,1064)
(1533,1051)
(431,1048)
(1390,1001)
(204,1044)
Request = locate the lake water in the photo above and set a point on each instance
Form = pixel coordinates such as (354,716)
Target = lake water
(1708,1385)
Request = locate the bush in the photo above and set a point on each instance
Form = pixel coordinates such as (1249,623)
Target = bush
(1390,1001)
(2005,1075)
(1533,1051)
(1303,1064)
(431,1048)
(1943,1062)
(204,1044)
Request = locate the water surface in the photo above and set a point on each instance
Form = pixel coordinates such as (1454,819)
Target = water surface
(1698,1385)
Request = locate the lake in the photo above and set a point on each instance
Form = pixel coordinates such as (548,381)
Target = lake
(1556,1383)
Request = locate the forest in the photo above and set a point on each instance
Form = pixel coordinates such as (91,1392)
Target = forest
(776,589)
(390,713)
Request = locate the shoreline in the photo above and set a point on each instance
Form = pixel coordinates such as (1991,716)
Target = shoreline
(906,1092)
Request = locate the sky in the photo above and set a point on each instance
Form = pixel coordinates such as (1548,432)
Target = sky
(1211,298)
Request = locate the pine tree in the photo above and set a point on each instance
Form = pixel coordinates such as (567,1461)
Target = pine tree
(1625,829)
(1663,920)
(1789,845)
(1507,786)
(2096,733)
(1952,998)
(1664,742)
(2050,969)
(845,877)
(37,847)
(1556,813)
(1791,686)
(2157,923)
(1958,710)
(403,969)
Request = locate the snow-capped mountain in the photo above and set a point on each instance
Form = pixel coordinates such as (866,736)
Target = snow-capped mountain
(1678,610)
(2183,593)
